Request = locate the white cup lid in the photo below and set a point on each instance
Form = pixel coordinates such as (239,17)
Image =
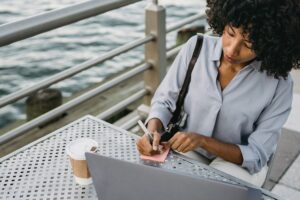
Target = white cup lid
(77,148)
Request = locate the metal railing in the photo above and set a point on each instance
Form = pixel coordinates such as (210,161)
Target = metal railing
(110,112)
(188,20)
(63,108)
(154,66)
(31,26)
(72,71)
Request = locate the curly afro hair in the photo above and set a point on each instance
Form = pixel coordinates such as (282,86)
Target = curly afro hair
(273,27)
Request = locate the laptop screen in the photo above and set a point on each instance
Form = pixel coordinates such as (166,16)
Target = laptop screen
(116,179)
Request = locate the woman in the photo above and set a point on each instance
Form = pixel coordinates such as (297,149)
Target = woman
(240,92)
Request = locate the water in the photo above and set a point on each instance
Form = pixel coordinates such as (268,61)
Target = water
(27,62)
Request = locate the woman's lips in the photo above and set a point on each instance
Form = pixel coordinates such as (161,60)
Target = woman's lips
(229,58)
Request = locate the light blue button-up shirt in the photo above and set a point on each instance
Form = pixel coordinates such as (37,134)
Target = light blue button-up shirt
(249,112)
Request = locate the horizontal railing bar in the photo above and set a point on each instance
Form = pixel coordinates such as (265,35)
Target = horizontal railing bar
(31,26)
(184,22)
(173,51)
(72,71)
(63,108)
(120,106)
(130,123)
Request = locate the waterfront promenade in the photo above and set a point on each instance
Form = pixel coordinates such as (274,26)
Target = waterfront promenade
(284,178)
(288,186)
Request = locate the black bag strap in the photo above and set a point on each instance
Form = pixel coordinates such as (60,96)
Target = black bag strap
(187,80)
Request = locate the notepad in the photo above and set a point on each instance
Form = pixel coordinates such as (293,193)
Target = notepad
(158,157)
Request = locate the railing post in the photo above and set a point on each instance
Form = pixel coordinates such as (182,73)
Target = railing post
(155,51)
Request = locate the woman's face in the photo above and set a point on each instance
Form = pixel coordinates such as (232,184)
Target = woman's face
(236,46)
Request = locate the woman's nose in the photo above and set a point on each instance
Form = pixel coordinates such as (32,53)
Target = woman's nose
(233,49)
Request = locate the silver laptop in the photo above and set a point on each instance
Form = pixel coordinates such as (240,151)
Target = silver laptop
(121,180)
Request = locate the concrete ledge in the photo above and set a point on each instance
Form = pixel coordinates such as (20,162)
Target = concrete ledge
(287,151)
(286,192)
(292,176)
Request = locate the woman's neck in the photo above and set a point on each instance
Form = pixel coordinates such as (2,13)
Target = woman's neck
(233,67)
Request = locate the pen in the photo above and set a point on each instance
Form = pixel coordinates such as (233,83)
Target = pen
(150,137)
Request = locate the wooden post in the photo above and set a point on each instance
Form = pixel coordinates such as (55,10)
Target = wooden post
(42,101)
(155,51)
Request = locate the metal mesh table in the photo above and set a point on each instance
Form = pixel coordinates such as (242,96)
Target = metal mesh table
(41,170)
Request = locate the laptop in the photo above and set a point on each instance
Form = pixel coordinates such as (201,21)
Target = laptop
(121,180)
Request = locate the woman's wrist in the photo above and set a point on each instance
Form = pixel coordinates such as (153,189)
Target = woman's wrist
(202,141)
(154,125)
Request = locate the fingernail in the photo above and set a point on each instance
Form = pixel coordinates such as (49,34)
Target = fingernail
(155,148)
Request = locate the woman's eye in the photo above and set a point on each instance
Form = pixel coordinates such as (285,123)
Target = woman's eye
(230,34)
(247,45)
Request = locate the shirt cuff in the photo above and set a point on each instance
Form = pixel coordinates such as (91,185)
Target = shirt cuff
(248,158)
(160,112)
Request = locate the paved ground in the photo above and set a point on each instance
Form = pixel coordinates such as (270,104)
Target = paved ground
(287,165)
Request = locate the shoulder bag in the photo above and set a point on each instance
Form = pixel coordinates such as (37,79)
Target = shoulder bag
(179,117)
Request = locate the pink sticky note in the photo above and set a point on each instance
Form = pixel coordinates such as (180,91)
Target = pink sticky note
(158,157)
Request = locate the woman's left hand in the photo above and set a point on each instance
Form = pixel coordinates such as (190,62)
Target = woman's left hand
(186,141)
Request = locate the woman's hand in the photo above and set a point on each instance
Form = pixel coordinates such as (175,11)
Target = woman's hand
(186,141)
(144,146)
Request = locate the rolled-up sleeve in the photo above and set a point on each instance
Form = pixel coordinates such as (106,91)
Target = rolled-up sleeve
(164,100)
(263,141)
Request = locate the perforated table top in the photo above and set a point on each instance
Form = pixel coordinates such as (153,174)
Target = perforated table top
(41,170)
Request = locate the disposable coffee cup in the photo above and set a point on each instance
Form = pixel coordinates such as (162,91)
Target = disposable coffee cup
(76,151)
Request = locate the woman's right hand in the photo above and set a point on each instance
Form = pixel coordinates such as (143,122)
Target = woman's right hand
(143,144)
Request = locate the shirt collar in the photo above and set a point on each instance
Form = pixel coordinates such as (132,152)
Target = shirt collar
(255,64)
(216,54)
